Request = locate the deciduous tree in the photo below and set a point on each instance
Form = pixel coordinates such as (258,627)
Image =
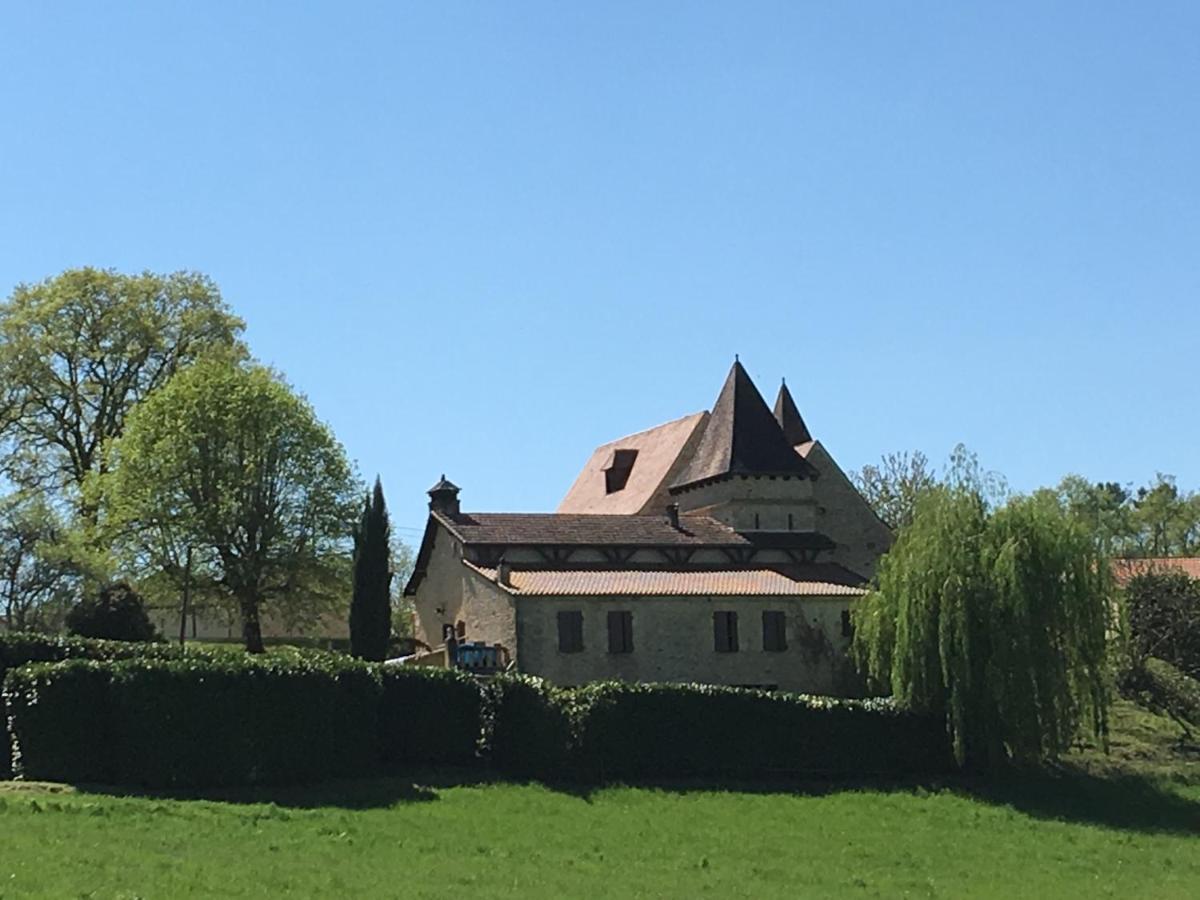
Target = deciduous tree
(79,350)
(995,619)
(227,459)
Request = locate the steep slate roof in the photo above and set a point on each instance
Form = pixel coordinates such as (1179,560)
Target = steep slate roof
(661,455)
(789,418)
(716,583)
(741,438)
(588,530)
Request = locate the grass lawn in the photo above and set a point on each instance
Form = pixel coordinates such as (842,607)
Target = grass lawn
(1126,825)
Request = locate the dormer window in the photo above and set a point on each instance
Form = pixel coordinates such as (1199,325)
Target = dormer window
(616,473)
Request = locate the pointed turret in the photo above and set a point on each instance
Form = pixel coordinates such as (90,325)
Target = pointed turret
(789,418)
(742,437)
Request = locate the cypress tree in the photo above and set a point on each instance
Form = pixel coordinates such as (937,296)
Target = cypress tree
(370,606)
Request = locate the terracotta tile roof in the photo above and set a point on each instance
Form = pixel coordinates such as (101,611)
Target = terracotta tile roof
(583,530)
(744,583)
(661,454)
(1124,569)
(742,437)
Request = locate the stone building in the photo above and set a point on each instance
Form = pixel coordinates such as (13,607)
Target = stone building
(725,547)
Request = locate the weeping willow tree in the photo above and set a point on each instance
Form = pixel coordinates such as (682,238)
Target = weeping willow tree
(995,619)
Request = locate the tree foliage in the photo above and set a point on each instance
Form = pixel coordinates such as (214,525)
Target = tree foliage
(116,613)
(1154,520)
(994,619)
(893,485)
(228,460)
(35,582)
(370,605)
(1163,610)
(79,350)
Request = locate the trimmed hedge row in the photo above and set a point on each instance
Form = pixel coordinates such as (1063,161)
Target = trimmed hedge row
(19,649)
(229,720)
(428,717)
(620,730)
(664,731)
(225,719)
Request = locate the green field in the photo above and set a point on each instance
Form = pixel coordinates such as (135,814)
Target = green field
(1127,825)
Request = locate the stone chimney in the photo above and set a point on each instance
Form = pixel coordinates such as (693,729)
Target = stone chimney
(443,497)
(673,515)
(504,573)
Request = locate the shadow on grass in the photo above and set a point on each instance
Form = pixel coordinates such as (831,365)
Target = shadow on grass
(1127,802)
(353,794)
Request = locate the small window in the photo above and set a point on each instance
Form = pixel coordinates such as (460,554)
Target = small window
(620,632)
(774,631)
(616,473)
(461,628)
(725,634)
(570,631)
(847,624)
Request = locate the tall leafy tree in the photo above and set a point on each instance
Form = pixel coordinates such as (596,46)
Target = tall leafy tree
(226,458)
(893,485)
(79,350)
(994,618)
(35,584)
(370,606)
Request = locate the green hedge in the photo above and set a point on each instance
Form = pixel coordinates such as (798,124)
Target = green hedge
(227,719)
(19,649)
(58,714)
(195,722)
(529,729)
(665,731)
(428,717)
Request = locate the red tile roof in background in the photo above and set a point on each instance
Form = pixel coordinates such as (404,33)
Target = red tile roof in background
(1124,569)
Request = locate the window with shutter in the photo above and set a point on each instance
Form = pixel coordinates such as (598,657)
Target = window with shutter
(620,632)
(570,631)
(774,630)
(725,636)
(847,624)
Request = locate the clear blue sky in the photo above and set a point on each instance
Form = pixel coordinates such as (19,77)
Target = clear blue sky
(485,237)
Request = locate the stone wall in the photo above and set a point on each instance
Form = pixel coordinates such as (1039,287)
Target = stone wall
(847,518)
(673,641)
(451,593)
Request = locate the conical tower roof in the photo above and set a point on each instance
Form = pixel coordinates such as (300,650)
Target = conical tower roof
(789,418)
(742,437)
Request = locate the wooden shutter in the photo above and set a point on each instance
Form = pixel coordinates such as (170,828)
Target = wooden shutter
(774,630)
(570,631)
(620,632)
(733,632)
(721,631)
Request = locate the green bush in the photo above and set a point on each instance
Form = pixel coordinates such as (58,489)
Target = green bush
(193,722)
(59,716)
(428,717)
(666,731)
(117,612)
(18,649)
(529,729)
(1171,690)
